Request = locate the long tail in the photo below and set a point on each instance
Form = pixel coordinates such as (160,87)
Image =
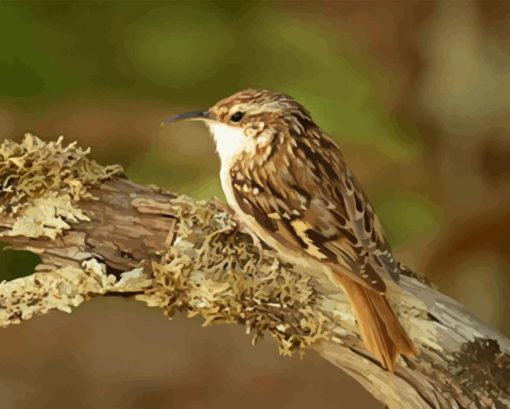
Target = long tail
(380,329)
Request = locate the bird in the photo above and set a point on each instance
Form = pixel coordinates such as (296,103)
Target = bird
(288,184)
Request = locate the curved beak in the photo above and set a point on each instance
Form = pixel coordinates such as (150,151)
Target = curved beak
(204,115)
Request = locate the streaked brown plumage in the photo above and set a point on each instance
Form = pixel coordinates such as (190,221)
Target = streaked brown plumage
(288,183)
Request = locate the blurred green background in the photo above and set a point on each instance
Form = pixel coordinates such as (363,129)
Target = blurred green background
(416,93)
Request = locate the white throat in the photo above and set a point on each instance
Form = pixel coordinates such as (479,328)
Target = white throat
(230,141)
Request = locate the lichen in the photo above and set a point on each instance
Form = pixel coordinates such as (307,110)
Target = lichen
(62,289)
(48,216)
(226,280)
(40,181)
(480,365)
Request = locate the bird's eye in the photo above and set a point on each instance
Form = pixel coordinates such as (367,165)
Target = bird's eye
(237,116)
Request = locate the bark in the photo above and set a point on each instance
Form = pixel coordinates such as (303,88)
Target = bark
(100,234)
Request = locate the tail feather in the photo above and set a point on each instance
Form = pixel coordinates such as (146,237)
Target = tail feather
(379,326)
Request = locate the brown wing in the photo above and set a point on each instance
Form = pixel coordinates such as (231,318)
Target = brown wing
(311,203)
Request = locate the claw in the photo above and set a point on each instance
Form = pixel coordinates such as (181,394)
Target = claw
(241,226)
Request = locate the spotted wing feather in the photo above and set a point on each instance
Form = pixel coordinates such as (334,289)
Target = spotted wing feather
(307,199)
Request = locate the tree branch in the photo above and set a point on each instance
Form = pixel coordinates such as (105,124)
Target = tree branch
(101,234)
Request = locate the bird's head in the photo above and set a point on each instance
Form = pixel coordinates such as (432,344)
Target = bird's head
(250,119)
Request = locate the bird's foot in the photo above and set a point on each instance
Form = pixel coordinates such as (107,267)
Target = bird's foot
(256,240)
(240,225)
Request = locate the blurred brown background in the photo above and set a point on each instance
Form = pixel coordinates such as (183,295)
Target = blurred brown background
(417,93)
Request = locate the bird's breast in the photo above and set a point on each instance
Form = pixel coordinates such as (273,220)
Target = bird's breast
(228,188)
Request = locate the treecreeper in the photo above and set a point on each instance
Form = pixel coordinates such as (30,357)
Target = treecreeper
(287,182)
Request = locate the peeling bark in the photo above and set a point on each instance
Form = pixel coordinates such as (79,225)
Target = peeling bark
(177,254)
